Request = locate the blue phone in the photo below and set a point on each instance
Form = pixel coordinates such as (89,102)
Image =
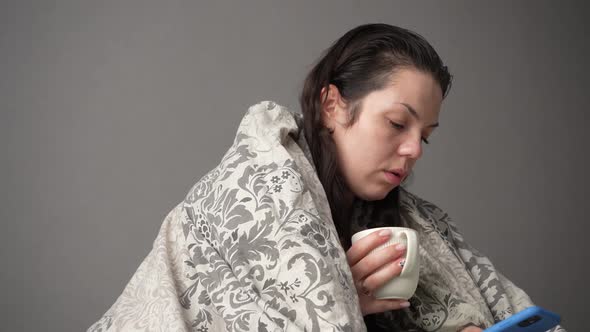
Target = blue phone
(532,319)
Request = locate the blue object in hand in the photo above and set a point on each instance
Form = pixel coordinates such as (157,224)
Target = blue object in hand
(532,319)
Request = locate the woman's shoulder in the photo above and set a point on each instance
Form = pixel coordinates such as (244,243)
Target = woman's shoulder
(270,110)
(258,152)
(269,121)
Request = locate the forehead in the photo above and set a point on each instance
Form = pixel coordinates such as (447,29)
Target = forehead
(419,91)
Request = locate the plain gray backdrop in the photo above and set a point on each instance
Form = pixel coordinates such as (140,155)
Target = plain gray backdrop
(112,110)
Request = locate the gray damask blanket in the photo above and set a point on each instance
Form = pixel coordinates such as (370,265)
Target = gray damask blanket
(253,248)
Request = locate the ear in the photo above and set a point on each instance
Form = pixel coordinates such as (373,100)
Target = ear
(334,109)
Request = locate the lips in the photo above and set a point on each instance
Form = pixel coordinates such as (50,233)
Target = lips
(399,172)
(392,178)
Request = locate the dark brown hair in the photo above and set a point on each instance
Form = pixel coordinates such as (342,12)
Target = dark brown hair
(363,60)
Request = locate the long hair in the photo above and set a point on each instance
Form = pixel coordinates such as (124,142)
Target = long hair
(361,61)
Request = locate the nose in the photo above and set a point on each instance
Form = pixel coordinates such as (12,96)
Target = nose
(411,147)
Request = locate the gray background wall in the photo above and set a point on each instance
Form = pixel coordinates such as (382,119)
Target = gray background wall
(111,110)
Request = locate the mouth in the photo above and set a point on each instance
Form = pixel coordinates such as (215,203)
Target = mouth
(393,177)
(400,173)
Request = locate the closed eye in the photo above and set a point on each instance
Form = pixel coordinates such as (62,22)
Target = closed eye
(400,127)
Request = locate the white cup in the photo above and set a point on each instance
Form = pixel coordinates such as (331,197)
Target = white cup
(404,285)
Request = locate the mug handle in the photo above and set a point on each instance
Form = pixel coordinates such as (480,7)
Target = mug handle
(411,252)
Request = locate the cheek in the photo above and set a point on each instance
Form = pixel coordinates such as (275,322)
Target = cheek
(350,155)
(362,157)
(366,152)
(378,148)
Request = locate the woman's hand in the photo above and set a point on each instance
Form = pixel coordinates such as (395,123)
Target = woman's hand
(371,270)
(472,329)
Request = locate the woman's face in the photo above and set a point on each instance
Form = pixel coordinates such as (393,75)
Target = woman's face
(388,133)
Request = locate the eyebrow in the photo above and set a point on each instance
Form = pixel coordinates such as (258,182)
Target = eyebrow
(415,114)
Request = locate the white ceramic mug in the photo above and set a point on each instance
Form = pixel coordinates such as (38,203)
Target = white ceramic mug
(404,285)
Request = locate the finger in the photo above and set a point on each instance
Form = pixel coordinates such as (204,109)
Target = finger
(362,247)
(386,305)
(375,260)
(362,289)
(383,275)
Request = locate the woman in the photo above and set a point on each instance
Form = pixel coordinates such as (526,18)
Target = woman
(262,242)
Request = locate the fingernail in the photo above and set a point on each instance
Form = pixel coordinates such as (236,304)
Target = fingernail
(384,233)
(404,304)
(400,246)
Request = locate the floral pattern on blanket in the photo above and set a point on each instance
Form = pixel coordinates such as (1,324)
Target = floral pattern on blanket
(259,250)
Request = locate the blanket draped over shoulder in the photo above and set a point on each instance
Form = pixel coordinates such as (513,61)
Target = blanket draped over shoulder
(253,248)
